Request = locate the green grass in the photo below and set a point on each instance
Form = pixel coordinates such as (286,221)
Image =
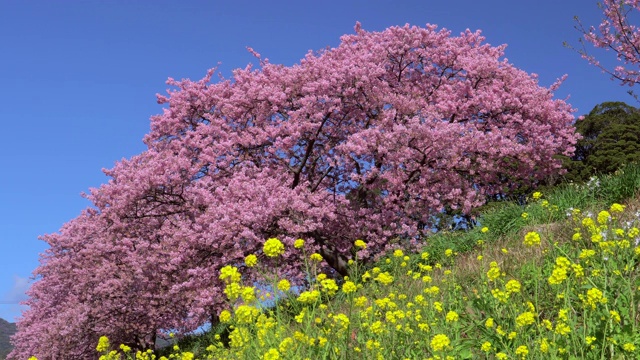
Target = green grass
(482,293)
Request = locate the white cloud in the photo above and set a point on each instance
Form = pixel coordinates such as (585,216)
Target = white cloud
(10,301)
(17,292)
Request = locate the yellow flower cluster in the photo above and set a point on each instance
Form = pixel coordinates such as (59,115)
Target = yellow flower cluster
(230,274)
(440,342)
(560,271)
(273,247)
(494,271)
(532,239)
(384,278)
(593,297)
(360,244)
(526,318)
(251,260)
(298,244)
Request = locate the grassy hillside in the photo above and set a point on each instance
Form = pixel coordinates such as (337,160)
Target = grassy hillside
(555,278)
(6,330)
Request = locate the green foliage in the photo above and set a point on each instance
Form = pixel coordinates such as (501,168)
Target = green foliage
(611,138)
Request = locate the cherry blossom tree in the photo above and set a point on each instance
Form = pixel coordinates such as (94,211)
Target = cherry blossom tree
(618,34)
(366,141)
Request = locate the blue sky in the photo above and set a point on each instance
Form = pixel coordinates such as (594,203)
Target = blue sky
(79,80)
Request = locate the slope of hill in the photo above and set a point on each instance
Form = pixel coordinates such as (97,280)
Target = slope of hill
(6,330)
(555,277)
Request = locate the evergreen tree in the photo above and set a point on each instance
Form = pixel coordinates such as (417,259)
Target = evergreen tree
(611,138)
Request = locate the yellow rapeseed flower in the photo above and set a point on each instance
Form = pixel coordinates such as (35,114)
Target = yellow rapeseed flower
(563,262)
(272,354)
(440,342)
(349,287)
(330,286)
(225,316)
(230,274)
(434,290)
(494,271)
(522,351)
(615,316)
(286,344)
(615,207)
(187,355)
(489,323)
(438,306)
(360,301)
(246,314)
(486,346)
(562,329)
(315,257)
(233,291)
(513,286)
(103,344)
(593,298)
(251,260)
(298,244)
(500,295)
(248,294)
(544,345)
(452,316)
(284,285)
(603,217)
(300,317)
(531,307)
(342,321)
(587,253)
(307,297)
(536,195)
(384,278)
(377,327)
(558,275)
(526,318)
(273,247)
(532,238)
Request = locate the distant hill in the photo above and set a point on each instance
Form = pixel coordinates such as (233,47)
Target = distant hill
(6,330)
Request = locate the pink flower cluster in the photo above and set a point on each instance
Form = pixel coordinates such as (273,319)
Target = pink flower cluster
(616,33)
